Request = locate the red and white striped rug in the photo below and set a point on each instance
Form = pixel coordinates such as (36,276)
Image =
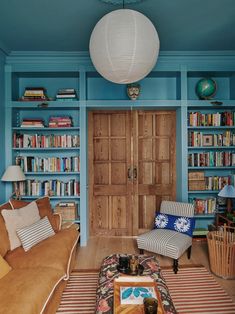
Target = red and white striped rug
(193,290)
(79,295)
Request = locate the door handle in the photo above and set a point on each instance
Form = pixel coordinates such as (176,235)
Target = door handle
(135,173)
(129,173)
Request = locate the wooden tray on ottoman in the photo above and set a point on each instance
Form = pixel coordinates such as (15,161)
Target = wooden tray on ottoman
(127,281)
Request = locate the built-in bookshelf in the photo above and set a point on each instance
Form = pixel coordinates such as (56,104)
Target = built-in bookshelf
(211,159)
(49,153)
(44,112)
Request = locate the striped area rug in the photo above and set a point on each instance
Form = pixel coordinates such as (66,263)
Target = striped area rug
(79,294)
(193,290)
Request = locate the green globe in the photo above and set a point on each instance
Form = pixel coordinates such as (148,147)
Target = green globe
(206,88)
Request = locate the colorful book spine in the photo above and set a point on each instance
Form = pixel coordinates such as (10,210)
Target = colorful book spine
(226,118)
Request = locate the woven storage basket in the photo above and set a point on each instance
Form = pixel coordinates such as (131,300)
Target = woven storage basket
(68,213)
(221,246)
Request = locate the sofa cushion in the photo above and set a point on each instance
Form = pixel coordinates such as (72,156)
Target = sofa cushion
(35,233)
(4,243)
(44,207)
(4,267)
(19,218)
(28,290)
(53,252)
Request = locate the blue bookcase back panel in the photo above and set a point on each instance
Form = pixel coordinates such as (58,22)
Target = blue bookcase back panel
(225,84)
(52,82)
(158,86)
(45,115)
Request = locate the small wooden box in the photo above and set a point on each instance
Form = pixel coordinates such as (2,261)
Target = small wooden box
(196,175)
(67,212)
(196,185)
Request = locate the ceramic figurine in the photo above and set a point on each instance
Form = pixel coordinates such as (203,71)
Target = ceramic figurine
(133,91)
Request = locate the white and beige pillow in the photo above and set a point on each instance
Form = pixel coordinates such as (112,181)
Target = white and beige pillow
(17,219)
(35,233)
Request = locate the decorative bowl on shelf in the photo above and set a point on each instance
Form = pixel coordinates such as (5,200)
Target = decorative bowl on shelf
(206,88)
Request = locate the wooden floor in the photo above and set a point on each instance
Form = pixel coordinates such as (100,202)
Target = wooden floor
(91,256)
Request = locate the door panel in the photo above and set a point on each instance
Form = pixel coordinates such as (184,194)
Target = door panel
(154,157)
(109,160)
(131,169)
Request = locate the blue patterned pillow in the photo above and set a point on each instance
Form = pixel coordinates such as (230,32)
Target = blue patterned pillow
(182,224)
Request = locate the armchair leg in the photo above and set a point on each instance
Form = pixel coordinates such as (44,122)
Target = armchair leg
(141,251)
(175,266)
(189,252)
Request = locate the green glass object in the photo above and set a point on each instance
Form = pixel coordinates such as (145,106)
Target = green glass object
(206,88)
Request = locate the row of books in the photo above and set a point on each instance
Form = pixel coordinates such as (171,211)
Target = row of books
(204,206)
(199,139)
(226,118)
(60,122)
(211,159)
(50,188)
(49,164)
(45,141)
(215,183)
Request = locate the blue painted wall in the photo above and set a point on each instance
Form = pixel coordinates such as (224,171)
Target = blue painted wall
(2,126)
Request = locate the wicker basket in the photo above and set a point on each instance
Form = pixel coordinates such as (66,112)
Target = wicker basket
(221,245)
(194,185)
(68,213)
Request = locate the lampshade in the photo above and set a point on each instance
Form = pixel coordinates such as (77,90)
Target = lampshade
(228,191)
(13,174)
(124,46)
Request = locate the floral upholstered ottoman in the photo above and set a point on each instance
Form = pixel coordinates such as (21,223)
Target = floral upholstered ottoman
(109,271)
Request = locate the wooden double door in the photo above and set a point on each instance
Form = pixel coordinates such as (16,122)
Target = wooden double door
(132,168)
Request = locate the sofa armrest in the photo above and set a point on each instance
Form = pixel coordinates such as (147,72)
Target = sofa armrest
(71,224)
(58,221)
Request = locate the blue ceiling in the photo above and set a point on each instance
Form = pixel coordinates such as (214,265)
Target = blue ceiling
(66,25)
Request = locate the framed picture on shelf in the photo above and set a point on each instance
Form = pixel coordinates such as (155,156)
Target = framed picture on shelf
(207,140)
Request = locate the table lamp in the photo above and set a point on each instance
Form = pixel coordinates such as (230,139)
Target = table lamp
(228,192)
(14,174)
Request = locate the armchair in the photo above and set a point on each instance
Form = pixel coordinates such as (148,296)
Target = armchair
(172,243)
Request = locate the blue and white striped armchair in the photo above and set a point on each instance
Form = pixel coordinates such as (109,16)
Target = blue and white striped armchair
(166,242)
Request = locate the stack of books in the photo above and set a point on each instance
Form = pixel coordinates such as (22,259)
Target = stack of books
(60,122)
(34,94)
(32,123)
(66,94)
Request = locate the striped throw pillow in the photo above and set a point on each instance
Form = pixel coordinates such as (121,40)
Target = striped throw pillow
(35,233)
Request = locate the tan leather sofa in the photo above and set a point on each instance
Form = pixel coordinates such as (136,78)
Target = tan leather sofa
(38,276)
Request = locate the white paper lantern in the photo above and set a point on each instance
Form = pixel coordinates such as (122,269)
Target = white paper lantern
(124,46)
